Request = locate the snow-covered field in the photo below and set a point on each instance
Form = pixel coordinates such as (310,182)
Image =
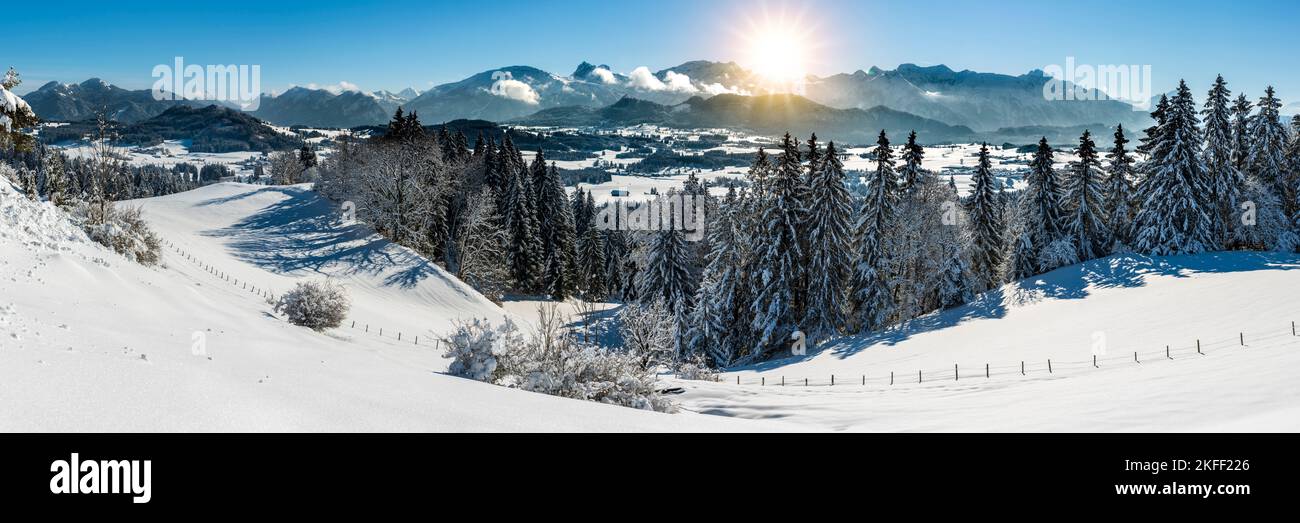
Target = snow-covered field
(92,342)
(1112,307)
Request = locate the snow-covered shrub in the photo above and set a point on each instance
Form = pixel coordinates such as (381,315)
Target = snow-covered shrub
(477,348)
(647,332)
(1058,254)
(553,362)
(122,229)
(317,305)
(695,368)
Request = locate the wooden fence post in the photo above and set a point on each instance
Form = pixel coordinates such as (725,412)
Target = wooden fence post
(1049,366)
(986,371)
(1243,338)
(891,377)
(1167,355)
(1198,348)
(1135,357)
(956,374)
(1022,367)
(1094,362)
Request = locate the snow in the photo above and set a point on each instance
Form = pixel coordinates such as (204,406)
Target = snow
(1124,303)
(92,342)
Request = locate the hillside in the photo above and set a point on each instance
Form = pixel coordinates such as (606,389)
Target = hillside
(92,342)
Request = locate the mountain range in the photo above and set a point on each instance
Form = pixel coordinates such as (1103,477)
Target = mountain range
(768,114)
(939,97)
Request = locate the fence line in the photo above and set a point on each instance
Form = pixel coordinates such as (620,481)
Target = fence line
(1026,368)
(270,295)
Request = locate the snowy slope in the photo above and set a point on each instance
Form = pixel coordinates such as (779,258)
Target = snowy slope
(92,342)
(1115,306)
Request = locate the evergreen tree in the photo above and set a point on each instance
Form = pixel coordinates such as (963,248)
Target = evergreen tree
(1241,132)
(872,299)
(1224,180)
(911,171)
(525,254)
(558,233)
(1173,217)
(1084,198)
(667,275)
(718,319)
(592,261)
(955,283)
(307,156)
(1152,133)
(1041,217)
(986,225)
(1120,198)
(779,269)
(829,247)
(1266,160)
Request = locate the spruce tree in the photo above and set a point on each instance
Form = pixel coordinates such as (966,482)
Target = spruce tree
(1041,217)
(911,171)
(1224,180)
(525,254)
(1266,160)
(1120,198)
(986,226)
(779,270)
(872,299)
(1173,217)
(592,263)
(718,319)
(1241,132)
(830,242)
(667,275)
(1084,198)
(558,236)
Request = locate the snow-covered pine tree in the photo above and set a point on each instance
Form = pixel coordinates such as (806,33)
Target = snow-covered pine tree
(718,321)
(1084,197)
(910,171)
(1173,218)
(779,270)
(557,232)
(1151,134)
(1268,140)
(1223,179)
(668,272)
(1041,219)
(1241,131)
(526,258)
(1120,198)
(986,226)
(955,274)
(830,243)
(592,262)
(872,299)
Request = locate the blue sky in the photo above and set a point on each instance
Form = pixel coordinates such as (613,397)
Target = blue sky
(391,45)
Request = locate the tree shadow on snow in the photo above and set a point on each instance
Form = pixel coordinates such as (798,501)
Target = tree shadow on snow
(305,232)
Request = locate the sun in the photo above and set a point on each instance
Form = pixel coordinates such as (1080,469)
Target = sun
(778,48)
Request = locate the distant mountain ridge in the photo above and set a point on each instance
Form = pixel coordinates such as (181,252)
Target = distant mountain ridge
(769,114)
(983,102)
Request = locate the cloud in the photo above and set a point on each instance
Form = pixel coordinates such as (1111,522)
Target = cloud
(642,78)
(717,89)
(505,86)
(338,88)
(604,75)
